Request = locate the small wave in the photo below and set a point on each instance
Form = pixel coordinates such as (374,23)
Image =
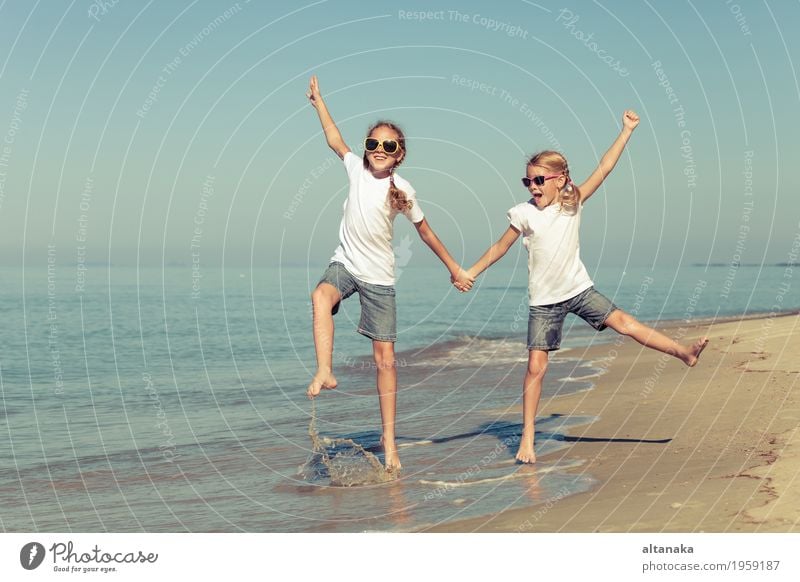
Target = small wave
(415,443)
(595,373)
(602,362)
(540,469)
(578,378)
(471,351)
(342,461)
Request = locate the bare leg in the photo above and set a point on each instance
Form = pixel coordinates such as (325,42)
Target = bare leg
(531,393)
(324,297)
(387,396)
(626,324)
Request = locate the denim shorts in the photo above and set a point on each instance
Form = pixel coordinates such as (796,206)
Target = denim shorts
(378,308)
(545,322)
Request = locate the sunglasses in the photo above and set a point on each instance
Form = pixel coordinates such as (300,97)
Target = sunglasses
(390,146)
(538,180)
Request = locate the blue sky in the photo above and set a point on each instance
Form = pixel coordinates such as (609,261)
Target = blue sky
(145,132)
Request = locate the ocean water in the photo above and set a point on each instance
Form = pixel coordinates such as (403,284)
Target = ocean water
(154,400)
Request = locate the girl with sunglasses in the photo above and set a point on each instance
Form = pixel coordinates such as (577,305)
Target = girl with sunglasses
(557,280)
(363,262)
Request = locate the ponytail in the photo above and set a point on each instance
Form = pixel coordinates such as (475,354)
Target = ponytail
(570,195)
(397,198)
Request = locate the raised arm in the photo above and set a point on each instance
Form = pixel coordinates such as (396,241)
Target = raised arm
(629,122)
(457,275)
(495,252)
(332,135)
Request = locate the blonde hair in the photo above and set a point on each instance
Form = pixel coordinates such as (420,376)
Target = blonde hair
(397,198)
(569,196)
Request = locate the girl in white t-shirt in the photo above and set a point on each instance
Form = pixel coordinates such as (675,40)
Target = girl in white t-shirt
(557,280)
(363,262)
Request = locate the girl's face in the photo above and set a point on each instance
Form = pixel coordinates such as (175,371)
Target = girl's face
(380,163)
(547,193)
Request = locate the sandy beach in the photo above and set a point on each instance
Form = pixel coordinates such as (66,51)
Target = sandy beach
(715,448)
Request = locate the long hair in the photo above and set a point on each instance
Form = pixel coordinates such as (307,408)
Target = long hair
(569,195)
(397,198)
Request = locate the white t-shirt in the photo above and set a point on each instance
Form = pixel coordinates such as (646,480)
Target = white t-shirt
(555,270)
(365,235)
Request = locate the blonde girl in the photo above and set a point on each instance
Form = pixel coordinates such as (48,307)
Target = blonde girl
(363,262)
(558,282)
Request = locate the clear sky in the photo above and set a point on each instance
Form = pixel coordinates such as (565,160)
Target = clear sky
(149,131)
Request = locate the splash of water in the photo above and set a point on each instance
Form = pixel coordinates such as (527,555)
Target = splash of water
(344,462)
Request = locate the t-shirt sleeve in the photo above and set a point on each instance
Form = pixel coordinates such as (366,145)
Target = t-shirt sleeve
(516,219)
(414,214)
(352,163)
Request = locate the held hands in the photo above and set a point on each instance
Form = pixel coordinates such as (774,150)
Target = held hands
(462,280)
(629,119)
(313,93)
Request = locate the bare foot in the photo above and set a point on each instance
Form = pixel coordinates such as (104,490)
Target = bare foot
(390,458)
(693,354)
(321,381)
(525,453)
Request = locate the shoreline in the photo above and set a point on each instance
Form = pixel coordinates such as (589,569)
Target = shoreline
(715,448)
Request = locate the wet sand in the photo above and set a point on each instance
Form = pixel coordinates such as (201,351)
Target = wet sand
(715,448)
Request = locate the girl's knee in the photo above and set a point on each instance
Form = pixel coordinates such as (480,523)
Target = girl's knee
(385,362)
(320,297)
(383,354)
(537,365)
(537,370)
(621,322)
